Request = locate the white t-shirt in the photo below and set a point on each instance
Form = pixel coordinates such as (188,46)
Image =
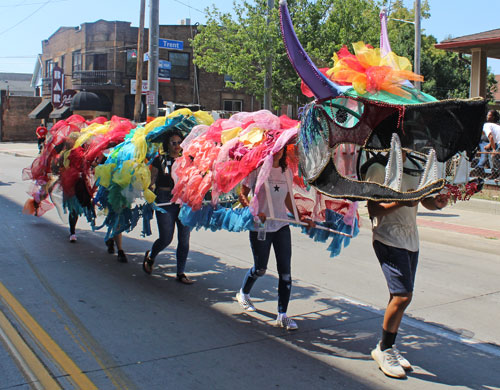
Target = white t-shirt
(399,228)
(278,187)
(493,129)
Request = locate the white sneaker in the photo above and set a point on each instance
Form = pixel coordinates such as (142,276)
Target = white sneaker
(72,238)
(388,362)
(245,302)
(401,359)
(283,321)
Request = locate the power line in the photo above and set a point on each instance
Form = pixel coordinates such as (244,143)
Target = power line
(25,4)
(22,20)
(187,5)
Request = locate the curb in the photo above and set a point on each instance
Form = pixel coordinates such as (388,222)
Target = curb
(479,205)
(18,154)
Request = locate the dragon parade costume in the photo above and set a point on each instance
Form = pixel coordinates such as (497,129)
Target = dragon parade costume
(365,109)
(219,157)
(124,180)
(65,169)
(365,105)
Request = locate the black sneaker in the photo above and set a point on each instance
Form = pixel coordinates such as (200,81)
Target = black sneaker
(111,245)
(122,258)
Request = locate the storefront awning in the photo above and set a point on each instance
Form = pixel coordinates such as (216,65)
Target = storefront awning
(41,111)
(60,113)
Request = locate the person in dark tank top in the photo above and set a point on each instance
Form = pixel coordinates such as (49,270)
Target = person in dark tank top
(161,176)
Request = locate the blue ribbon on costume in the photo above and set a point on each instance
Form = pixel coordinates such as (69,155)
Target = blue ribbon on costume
(334,221)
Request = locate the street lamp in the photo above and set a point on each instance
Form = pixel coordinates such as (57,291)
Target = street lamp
(416,23)
(417,42)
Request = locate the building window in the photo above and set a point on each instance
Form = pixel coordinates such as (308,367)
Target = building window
(49,67)
(76,61)
(61,63)
(131,65)
(233,105)
(97,62)
(180,65)
(228,79)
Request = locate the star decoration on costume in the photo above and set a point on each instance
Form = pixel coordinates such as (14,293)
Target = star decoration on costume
(276,188)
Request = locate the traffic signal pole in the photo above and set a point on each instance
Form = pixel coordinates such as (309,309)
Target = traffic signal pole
(154,32)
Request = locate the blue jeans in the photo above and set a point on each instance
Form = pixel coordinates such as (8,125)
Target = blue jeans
(483,156)
(72,219)
(166,225)
(494,159)
(282,244)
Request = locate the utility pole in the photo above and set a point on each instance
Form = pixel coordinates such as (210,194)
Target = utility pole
(138,70)
(154,32)
(269,64)
(417,42)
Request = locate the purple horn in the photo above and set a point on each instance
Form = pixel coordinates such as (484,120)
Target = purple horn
(321,87)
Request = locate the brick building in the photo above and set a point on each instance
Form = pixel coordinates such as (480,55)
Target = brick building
(15,125)
(17,98)
(101,57)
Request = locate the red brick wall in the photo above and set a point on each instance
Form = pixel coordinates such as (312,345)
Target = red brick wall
(114,38)
(16,126)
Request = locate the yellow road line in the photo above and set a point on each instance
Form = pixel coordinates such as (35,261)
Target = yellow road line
(29,362)
(57,354)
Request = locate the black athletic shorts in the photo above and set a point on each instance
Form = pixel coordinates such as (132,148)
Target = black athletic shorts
(398,265)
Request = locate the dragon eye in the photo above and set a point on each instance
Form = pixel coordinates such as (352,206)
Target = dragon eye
(341,115)
(344,111)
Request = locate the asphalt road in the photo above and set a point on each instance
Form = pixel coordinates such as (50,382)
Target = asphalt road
(91,322)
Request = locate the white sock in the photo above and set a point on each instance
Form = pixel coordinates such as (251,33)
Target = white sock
(281,316)
(246,296)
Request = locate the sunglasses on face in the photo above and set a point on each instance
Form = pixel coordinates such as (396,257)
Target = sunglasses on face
(175,143)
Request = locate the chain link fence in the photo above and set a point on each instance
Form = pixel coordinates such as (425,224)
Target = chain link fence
(487,167)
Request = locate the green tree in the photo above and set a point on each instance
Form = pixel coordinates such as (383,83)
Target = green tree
(239,44)
(446,74)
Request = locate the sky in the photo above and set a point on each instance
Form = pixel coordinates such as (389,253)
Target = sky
(25,23)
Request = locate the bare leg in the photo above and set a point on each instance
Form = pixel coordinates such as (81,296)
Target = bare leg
(395,311)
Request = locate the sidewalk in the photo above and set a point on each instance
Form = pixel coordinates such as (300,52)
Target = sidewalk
(20,149)
(475,217)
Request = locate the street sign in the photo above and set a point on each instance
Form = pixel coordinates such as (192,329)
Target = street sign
(133,86)
(150,97)
(57,85)
(164,68)
(170,44)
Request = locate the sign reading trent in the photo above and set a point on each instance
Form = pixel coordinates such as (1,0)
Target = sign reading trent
(170,44)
